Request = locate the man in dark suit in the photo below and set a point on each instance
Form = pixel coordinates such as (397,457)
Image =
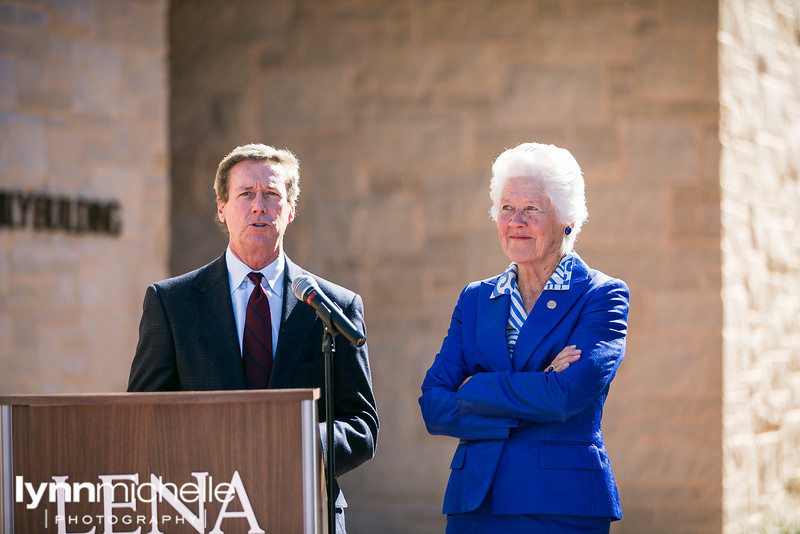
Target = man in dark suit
(194,330)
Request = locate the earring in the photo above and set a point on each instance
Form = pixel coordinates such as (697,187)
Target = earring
(567,230)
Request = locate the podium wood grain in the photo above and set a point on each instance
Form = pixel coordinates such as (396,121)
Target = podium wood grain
(257,434)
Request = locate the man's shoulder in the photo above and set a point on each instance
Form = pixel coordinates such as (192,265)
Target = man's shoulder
(332,290)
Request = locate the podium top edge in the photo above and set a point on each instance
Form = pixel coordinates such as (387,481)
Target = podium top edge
(162,397)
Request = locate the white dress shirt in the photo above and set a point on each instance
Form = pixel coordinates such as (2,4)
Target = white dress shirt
(242,287)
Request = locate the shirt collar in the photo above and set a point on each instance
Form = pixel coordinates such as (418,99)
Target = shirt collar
(559,280)
(273,273)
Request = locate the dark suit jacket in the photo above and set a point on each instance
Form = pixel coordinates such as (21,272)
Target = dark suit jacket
(188,342)
(530,441)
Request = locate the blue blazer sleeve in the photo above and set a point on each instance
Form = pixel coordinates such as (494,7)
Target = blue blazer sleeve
(438,402)
(596,324)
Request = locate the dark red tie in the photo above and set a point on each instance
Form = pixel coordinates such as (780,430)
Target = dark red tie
(257,341)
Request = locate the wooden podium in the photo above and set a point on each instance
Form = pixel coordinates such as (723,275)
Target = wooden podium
(209,463)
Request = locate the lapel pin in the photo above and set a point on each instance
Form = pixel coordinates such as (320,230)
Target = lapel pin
(551,304)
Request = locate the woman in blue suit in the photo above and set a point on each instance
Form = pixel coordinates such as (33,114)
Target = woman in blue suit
(526,366)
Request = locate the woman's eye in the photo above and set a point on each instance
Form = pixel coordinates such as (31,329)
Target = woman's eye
(506,208)
(531,208)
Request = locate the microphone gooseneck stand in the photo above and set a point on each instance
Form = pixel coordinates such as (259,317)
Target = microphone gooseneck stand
(334,322)
(329,347)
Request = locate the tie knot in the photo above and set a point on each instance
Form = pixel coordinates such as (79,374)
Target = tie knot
(255,278)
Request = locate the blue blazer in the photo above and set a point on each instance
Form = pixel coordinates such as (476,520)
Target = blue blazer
(530,441)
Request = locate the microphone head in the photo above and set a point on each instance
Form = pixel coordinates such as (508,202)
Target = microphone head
(302,286)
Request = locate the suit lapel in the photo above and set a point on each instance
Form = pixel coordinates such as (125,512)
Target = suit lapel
(215,313)
(296,324)
(492,316)
(549,310)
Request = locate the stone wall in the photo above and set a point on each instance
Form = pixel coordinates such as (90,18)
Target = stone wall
(760,185)
(682,113)
(83,103)
(396,111)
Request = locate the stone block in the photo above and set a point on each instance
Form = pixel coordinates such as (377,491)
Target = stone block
(221,24)
(671,69)
(392,225)
(23,16)
(692,16)
(140,97)
(311,97)
(392,464)
(452,20)
(573,95)
(633,217)
(597,150)
(676,364)
(23,45)
(335,176)
(663,153)
(21,163)
(392,141)
(606,11)
(491,139)
(140,24)
(75,18)
(9,85)
(695,216)
(336,33)
(561,44)
(458,207)
(700,310)
(96,90)
(47,82)
(396,283)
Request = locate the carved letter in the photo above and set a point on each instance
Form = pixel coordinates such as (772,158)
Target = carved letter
(247,510)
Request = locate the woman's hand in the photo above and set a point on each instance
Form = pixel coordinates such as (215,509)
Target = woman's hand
(568,355)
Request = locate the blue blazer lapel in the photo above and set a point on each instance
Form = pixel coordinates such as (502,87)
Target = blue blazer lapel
(491,320)
(548,311)
(214,311)
(296,324)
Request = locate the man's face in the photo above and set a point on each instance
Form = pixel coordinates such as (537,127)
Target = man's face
(257,212)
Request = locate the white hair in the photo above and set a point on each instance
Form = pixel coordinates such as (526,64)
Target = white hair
(558,173)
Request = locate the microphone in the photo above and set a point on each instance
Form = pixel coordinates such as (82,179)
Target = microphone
(306,289)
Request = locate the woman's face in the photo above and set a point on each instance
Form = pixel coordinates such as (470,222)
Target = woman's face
(530,233)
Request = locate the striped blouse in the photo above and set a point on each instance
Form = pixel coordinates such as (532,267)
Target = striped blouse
(507,285)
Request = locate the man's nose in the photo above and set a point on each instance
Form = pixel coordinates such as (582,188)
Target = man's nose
(260,203)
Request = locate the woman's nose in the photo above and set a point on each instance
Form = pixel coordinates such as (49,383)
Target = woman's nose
(518,218)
